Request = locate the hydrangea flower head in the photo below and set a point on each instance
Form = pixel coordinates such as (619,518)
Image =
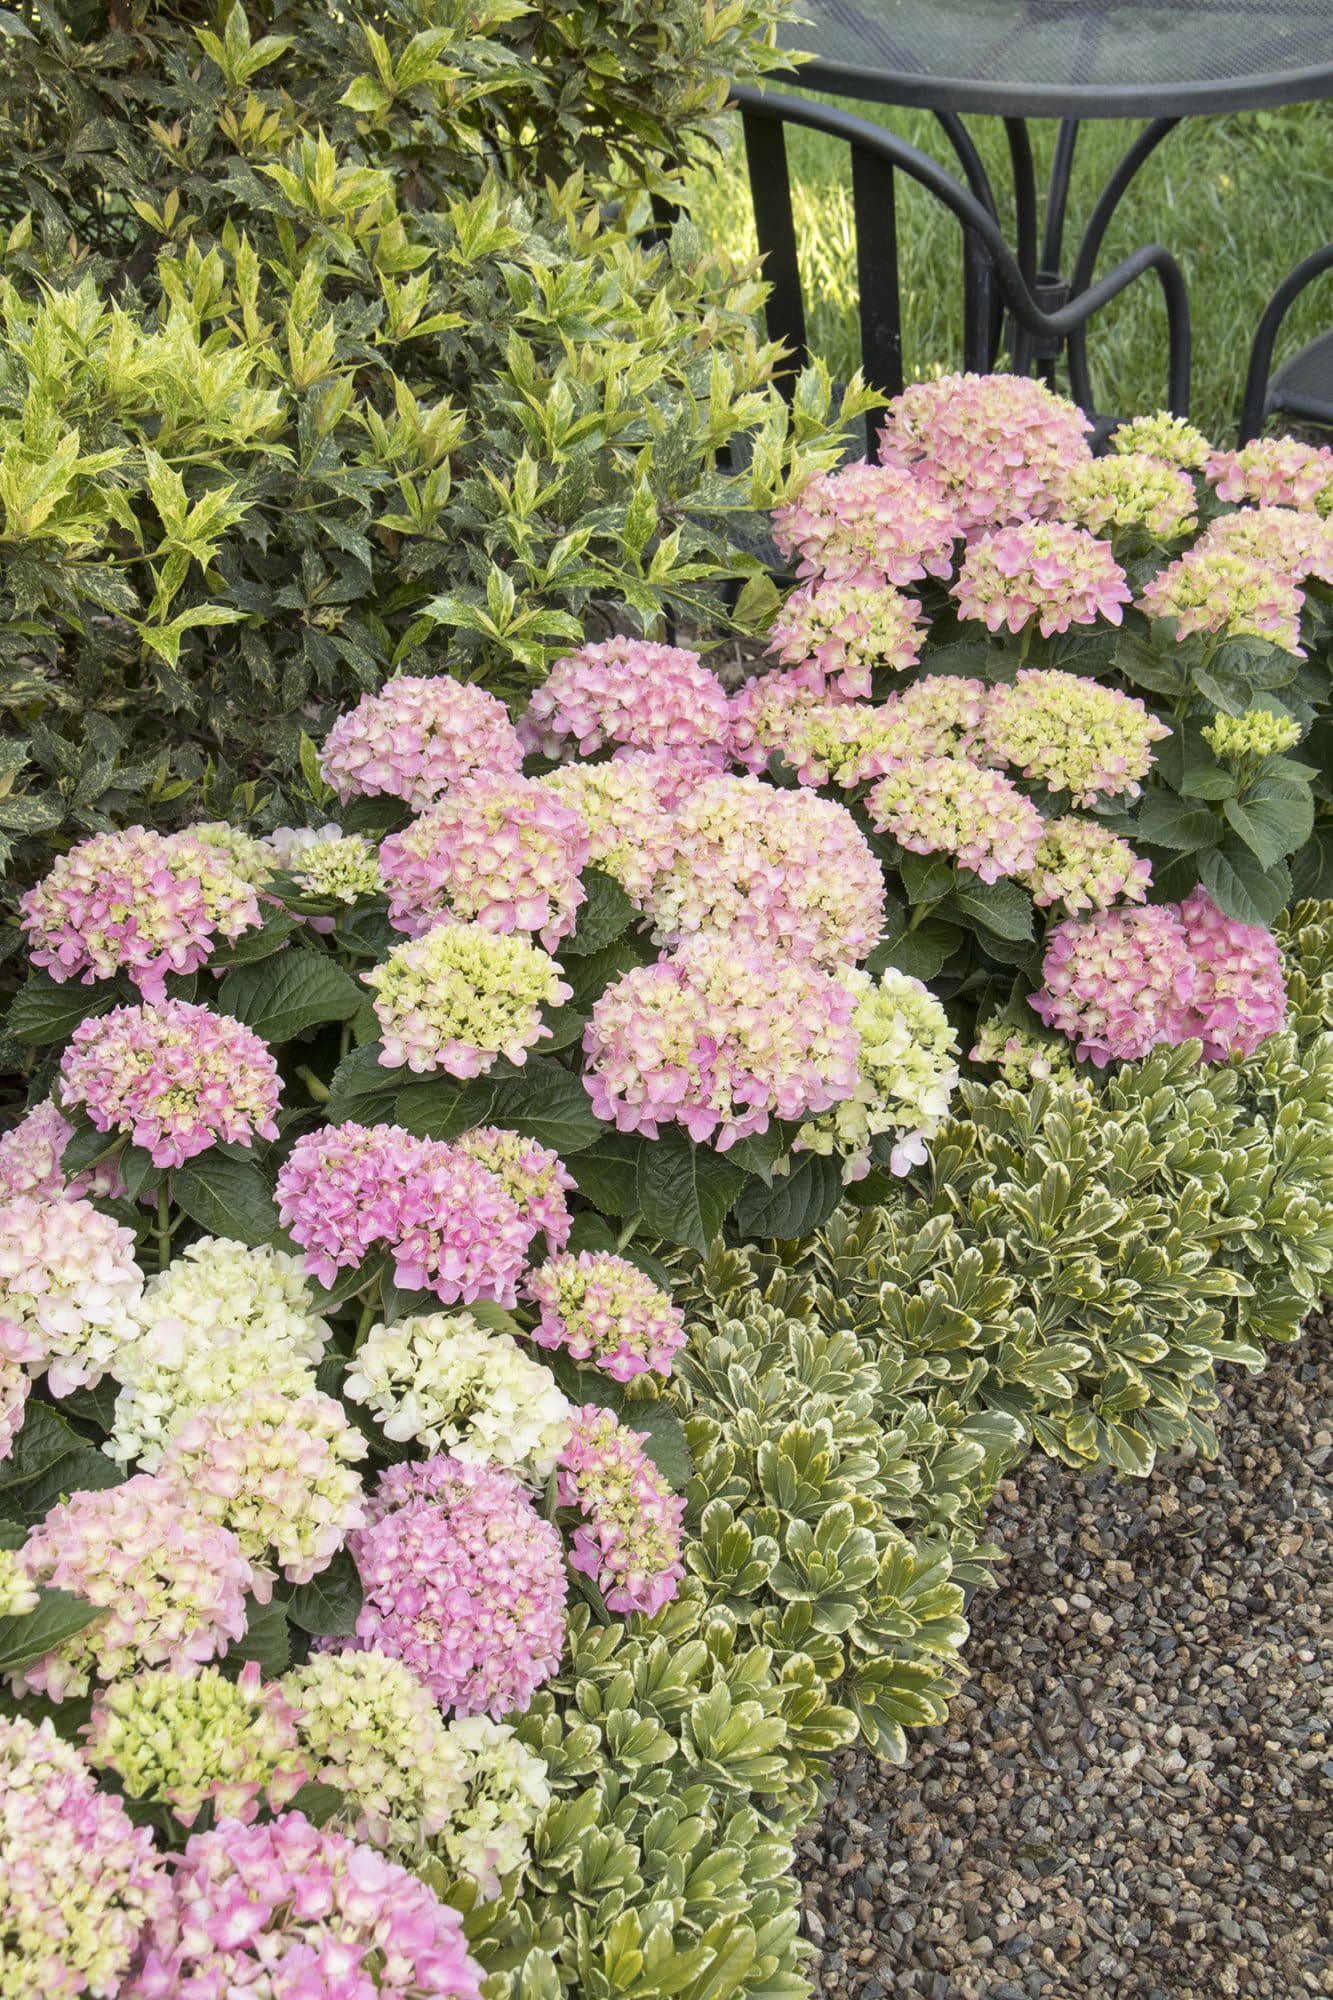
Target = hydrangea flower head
(441,1381)
(629,692)
(14,1387)
(416,737)
(908,1071)
(603,1309)
(289,1909)
(772,711)
(172,1584)
(507,1793)
(327,864)
(216,1282)
(371,1727)
(1213,589)
(464,1581)
(30,1154)
(1133,490)
(629,1538)
(1047,570)
(1171,439)
(630,830)
(78,1882)
(459,997)
(145,904)
(1253,736)
(777,869)
(1289,540)
(1274,472)
(996,447)
(1021,1056)
(1084,866)
(18,1596)
(447,1220)
(531,1175)
(69,1287)
(175,1078)
(201,1740)
(834,635)
(945,805)
(1071,734)
(1118,983)
(278,1470)
(867,524)
(252,859)
(719,1037)
(672,774)
(497,850)
(1240,994)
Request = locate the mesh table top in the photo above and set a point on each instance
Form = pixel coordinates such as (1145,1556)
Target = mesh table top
(1075,58)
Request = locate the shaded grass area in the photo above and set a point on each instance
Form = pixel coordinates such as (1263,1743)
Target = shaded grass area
(1237,199)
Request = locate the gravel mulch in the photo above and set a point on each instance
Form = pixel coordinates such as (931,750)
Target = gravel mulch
(1133,1795)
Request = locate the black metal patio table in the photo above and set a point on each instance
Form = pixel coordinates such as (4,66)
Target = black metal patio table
(1069,60)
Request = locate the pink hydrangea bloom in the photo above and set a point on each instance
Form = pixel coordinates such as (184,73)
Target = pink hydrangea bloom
(464,1581)
(1211,588)
(171,1582)
(1071,734)
(145,904)
(1047,570)
(277,1470)
(673,774)
(1083,866)
(14,1386)
(630,831)
(867,524)
(460,996)
(300,1913)
(1295,543)
(835,634)
(768,714)
(847,742)
(449,1223)
(601,1308)
(176,1078)
(497,850)
(30,1159)
(1240,994)
(996,448)
(1119,983)
(416,737)
(773,868)
(629,1541)
(1274,472)
(531,1175)
(719,1037)
(78,1882)
(630,692)
(69,1287)
(944,805)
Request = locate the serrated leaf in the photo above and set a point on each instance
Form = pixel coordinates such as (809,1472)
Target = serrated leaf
(1241,887)
(266,1640)
(926,877)
(226,1197)
(665,1442)
(607,1172)
(1000,906)
(589,977)
(1274,826)
(43,1438)
(1167,821)
(320,1803)
(444,1107)
(57,1617)
(363,1088)
(44,1011)
(919,953)
(607,912)
(81,1471)
(550,1105)
(328,1605)
(794,1204)
(252,945)
(685,1190)
(281,997)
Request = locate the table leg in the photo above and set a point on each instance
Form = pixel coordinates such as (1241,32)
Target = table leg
(1080,381)
(982,314)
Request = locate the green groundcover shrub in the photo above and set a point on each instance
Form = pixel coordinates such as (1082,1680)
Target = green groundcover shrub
(333,344)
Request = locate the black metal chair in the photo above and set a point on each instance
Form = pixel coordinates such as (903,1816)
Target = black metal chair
(1302,387)
(1041,321)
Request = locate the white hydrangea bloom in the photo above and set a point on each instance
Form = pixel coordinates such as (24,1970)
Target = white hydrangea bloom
(908,1074)
(374,1731)
(220,1320)
(454,1386)
(507,1792)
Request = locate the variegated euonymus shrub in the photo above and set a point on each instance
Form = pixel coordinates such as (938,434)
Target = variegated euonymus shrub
(337,342)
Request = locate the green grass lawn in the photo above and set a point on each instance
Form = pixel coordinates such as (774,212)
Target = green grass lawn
(1238,200)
